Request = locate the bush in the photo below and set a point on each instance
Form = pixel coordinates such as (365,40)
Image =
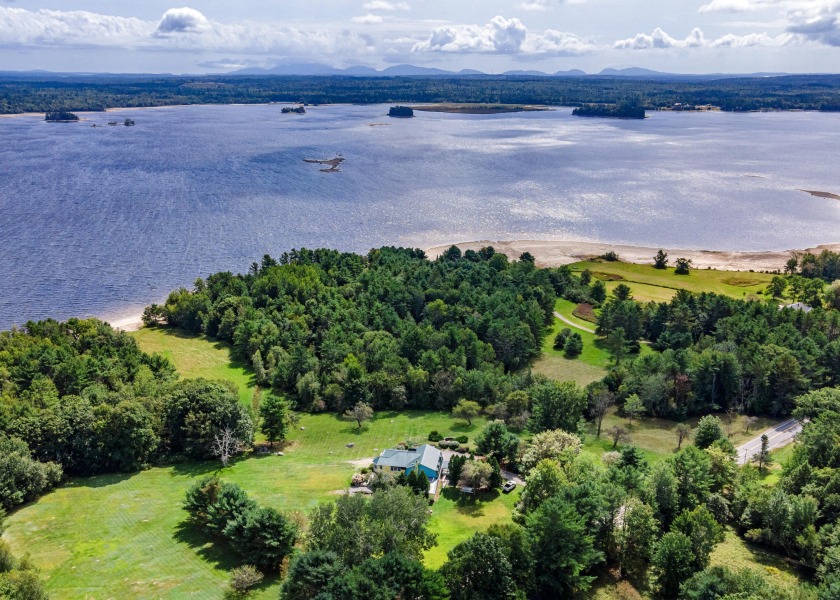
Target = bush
(435,436)
(462,439)
(463,450)
(443,445)
(573,346)
(454,445)
(561,337)
(243,578)
(610,256)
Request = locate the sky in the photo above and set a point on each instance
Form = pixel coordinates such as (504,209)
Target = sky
(213,36)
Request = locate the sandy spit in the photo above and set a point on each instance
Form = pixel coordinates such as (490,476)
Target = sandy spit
(556,253)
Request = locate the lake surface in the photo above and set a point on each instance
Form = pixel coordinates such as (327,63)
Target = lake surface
(102,221)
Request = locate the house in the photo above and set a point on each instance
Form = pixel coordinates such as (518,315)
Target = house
(427,458)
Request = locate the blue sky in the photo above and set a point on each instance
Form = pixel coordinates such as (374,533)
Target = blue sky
(690,36)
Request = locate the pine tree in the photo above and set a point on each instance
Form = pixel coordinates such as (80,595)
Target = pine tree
(762,457)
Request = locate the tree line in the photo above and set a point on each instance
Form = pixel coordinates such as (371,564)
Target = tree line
(81,93)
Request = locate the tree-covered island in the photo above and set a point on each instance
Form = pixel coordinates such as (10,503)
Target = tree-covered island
(622,110)
(402,112)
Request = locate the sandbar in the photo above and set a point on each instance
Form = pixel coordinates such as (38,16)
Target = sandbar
(556,253)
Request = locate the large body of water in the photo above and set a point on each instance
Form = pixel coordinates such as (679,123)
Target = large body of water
(101,221)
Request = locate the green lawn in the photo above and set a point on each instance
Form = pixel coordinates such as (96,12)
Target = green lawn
(648,283)
(122,536)
(590,366)
(197,356)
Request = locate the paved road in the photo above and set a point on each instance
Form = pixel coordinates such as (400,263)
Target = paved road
(781,435)
(572,323)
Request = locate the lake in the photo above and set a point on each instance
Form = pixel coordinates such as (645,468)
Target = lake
(102,221)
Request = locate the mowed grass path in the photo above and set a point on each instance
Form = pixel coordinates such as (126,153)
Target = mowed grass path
(198,356)
(122,536)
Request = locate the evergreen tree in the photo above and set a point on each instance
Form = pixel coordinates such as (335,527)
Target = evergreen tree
(274,412)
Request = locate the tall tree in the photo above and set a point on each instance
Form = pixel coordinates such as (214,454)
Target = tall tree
(274,412)
(763,457)
(660,261)
(479,569)
(563,548)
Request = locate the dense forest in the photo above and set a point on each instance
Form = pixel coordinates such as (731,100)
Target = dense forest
(80,93)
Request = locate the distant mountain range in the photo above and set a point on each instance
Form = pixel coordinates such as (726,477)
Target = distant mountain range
(316,69)
(415,71)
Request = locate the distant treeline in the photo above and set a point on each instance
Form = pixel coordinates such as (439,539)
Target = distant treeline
(806,92)
(621,110)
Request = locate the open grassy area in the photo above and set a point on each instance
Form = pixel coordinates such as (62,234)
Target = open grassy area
(122,536)
(657,437)
(593,362)
(197,356)
(648,283)
(736,553)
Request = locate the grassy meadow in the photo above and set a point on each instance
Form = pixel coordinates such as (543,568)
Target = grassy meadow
(660,285)
(122,536)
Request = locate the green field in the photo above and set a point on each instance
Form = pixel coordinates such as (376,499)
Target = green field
(197,356)
(659,285)
(122,536)
(593,362)
(658,439)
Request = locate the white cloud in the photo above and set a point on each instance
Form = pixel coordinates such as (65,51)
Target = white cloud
(51,27)
(182,20)
(817,21)
(737,5)
(501,36)
(369,19)
(535,5)
(178,29)
(659,39)
(383,5)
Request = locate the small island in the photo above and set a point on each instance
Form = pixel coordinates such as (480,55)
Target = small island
(401,112)
(622,110)
(298,110)
(331,163)
(60,116)
(129,123)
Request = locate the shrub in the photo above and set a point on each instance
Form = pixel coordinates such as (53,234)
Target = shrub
(462,439)
(443,445)
(463,450)
(454,445)
(243,578)
(610,256)
(435,436)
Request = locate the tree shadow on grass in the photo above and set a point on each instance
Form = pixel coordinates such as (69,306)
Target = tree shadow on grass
(471,505)
(198,469)
(214,552)
(463,427)
(99,481)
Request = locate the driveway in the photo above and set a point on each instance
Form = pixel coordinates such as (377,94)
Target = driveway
(779,436)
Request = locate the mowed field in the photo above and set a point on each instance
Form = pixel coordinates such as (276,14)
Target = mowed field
(660,285)
(124,536)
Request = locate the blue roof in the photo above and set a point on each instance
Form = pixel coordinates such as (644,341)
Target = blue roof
(425,455)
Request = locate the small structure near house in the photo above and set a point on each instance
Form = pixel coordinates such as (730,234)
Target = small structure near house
(800,306)
(426,457)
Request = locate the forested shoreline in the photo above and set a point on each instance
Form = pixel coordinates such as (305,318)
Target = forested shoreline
(348,334)
(85,93)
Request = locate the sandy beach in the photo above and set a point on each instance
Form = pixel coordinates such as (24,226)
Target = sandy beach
(556,253)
